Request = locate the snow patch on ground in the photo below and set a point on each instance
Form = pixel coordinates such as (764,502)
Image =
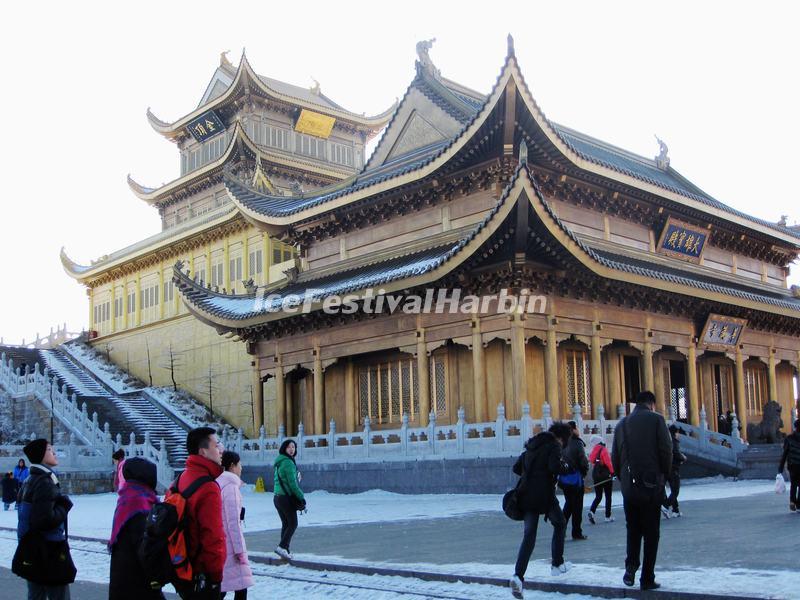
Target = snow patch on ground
(107,372)
(92,513)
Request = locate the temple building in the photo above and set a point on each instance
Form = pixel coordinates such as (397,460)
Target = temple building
(290,141)
(386,288)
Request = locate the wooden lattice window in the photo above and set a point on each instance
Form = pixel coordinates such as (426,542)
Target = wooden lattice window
(388,390)
(755,389)
(438,385)
(578,387)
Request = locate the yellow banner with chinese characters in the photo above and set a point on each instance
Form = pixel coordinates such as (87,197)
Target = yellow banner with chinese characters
(314,124)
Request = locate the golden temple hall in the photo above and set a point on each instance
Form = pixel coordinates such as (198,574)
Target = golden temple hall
(296,280)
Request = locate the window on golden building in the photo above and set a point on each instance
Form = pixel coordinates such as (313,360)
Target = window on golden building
(755,388)
(577,373)
(256,264)
(387,390)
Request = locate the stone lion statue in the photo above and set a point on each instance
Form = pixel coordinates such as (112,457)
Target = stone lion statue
(769,430)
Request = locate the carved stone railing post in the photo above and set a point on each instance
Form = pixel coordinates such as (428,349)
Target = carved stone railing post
(240,440)
(332,439)
(547,415)
(367,436)
(500,428)
(703,426)
(460,430)
(601,419)
(281,433)
(432,431)
(577,416)
(620,411)
(301,433)
(262,443)
(404,434)
(526,424)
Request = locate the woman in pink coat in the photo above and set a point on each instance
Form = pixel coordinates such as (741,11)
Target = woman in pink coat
(237,576)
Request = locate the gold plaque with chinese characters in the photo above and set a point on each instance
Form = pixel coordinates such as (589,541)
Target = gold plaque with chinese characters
(683,241)
(721,332)
(314,124)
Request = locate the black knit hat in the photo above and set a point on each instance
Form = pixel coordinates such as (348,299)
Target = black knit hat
(35,450)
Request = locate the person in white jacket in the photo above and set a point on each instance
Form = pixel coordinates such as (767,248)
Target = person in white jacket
(237,575)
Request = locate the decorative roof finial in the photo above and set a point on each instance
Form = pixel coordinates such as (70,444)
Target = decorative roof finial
(784,221)
(315,89)
(423,58)
(662,160)
(224,62)
(523,153)
(510,41)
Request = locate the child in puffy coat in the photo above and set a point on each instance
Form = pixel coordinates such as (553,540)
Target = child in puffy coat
(602,477)
(237,575)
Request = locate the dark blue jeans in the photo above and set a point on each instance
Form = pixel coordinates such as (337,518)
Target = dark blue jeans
(556,518)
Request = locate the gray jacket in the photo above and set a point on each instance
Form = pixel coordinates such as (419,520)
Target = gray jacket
(650,444)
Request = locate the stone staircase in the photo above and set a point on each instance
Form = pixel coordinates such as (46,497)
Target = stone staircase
(125,413)
(760,461)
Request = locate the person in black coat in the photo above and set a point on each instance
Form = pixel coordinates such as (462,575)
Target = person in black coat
(791,456)
(642,459)
(42,527)
(575,455)
(10,489)
(135,498)
(539,466)
(670,506)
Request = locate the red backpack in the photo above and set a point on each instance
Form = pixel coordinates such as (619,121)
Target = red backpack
(164,549)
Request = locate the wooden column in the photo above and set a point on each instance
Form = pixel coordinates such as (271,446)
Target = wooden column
(90,292)
(658,383)
(423,372)
(773,380)
(319,395)
(266,262)
(258,399)
(551,369)
(137,301)
(280,396)
(478,373)
(741,398)
(519,380)
(691,377)
(125,302)
(350,396)
(596,371)
(113,306)
(161,297)
(647,359)
(245,257)
(226,265)
(614,382)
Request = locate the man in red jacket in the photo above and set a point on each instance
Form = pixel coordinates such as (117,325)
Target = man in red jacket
(205,534)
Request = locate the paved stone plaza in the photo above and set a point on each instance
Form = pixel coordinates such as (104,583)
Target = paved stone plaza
(754,532)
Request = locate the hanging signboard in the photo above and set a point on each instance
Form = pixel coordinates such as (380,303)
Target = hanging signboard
(683,241)
(314,124)
(205,126)
(721,332)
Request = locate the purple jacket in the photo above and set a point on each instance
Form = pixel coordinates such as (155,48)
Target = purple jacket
(236,575)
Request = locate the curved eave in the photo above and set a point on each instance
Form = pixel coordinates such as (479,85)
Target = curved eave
(588,165)
(596,265)
(246,80)
(239,139)
(460,253)
(86,273)
(383,185)
(73,269)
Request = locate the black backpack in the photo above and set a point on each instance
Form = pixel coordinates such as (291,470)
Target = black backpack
(163,551)
(600,471)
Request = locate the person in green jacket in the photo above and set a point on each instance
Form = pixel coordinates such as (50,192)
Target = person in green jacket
(287,491)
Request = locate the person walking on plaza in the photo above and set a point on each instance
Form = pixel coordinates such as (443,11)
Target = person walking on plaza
(572,483)
(135,498)
(21,472)
(237,576)
(602,477)
(10,489)
(539,466)
(43,557)
(205,533)
(118,458)
(670,507)
(791,457)
(288,497)
(642,459)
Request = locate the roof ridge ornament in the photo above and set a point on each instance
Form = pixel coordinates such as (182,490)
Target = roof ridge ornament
(662,160)
(424,61)
(224,61)
(523,153)
(510,41)
(316,88)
